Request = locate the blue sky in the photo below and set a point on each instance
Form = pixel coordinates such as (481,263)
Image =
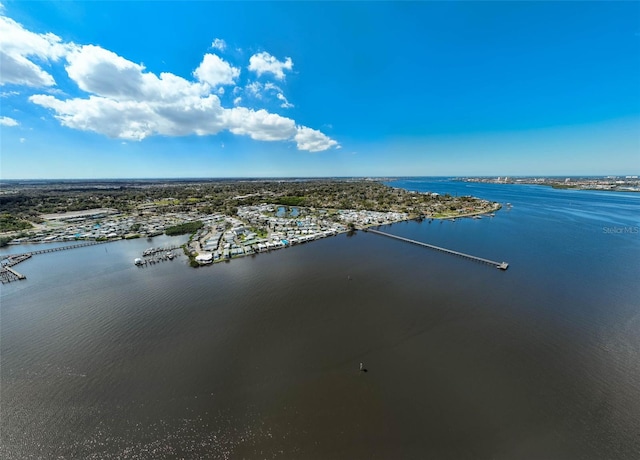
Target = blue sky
(245,89)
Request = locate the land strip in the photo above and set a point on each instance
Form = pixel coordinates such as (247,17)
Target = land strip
(227,218)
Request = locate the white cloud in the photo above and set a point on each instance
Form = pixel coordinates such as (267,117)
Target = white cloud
(313,140)
(259,125)
(124,101)
(19,70)
(136,120)
(285,103)
(102,72)
(263,62)
(216,71)
(23,140)
(259,90)
(219,44)
(19,47)
(6,121)
(255,89)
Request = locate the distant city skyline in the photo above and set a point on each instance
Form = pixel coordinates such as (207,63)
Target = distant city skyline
(306,89)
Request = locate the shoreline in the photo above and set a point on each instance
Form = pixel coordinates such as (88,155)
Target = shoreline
(555,186)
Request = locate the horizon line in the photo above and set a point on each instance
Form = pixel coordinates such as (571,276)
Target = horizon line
(196,178)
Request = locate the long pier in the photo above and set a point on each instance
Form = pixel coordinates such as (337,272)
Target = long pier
(8,274)
(63,248)
(499,265)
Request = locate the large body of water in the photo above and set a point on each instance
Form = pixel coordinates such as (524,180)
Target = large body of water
(259,357)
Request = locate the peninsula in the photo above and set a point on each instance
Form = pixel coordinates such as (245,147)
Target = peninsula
(226,218)
(603,183)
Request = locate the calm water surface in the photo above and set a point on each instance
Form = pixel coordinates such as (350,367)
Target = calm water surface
(259,357)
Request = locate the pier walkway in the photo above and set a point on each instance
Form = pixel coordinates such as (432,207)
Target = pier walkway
(7,274)
(63,248)
(500,265)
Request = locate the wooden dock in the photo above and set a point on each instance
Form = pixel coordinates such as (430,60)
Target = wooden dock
(152,251)
(499,265)
(64,248)
(157,255)
(8,274)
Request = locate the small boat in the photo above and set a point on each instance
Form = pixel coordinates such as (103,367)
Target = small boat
(170,255)
(138,261)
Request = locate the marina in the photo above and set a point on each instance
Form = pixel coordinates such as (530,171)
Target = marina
(156,255)
(8,274)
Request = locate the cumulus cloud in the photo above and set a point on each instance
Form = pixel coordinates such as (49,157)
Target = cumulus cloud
(219,44)
(6,121)
(263,62)
(137,120)
(19,48)
(313,140)
(123,100)
(216,71)
(260,124)
(100,71)
(20,70)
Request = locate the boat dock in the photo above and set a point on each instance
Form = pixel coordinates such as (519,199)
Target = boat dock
(499,265)
(156,255)
(152,251)
(8,274)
